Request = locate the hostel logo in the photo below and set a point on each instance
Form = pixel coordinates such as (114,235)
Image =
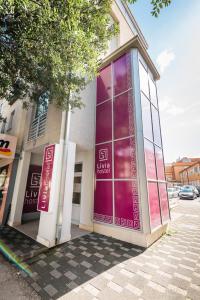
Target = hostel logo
(49,155)
(4,148)
(103,166)
(35,180)
(103,154)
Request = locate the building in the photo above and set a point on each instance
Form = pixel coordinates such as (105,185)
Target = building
(101,168)
(191,174)
(173,170)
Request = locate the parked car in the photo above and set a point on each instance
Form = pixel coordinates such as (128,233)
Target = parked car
(187,192)
(192,187)
(172,193)
(198,189)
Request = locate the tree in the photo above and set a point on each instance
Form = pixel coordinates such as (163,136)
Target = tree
(53,46)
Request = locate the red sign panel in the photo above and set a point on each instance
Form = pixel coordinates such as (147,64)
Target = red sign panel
(32,189)
(46,177)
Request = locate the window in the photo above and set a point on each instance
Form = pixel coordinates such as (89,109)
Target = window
(153,92)
(3,127)
(10,123)
(144,86)
(156,127)
(77,183)
(42,104)
(146,117)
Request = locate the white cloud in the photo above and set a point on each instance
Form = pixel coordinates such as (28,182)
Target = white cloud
(164,59)
(167,106)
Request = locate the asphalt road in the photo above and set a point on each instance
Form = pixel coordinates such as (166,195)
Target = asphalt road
(12,285)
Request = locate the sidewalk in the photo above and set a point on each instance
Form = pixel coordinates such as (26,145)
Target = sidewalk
(97,267)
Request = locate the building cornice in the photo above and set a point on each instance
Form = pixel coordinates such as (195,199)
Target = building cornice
(135,42)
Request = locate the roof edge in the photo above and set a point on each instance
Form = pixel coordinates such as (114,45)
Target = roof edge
(135,42)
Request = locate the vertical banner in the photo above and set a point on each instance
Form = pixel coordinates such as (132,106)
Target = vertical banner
(32,189)
(46,177)
(116,193)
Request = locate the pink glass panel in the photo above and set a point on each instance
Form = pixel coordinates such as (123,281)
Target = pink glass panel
(125,158)
(103,208)
(154,204)
(104,161)
(46,177)
(32,189)
(156,126)
(159,164)
(126,204)
(164,202)
(104,122)
(149,160)
(146,118)
(123,116)
(104,89)
(122,74)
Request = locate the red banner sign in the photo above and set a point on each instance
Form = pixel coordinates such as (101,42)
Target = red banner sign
(46,177)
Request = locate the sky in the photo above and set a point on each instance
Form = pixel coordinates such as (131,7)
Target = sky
(174,45)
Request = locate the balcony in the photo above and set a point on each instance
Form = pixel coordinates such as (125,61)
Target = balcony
(37,128)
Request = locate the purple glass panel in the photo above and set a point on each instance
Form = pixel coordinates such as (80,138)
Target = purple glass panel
(125,158)
(126,204)
(146,118)
(104,122)
(103,207)
(149,160)
(156,126)
(32,189)
(104,88)
(159,164)
(123,115)
(144,86)
(154,204)
(122,74)
(104,161)
(153,93)
(164,202)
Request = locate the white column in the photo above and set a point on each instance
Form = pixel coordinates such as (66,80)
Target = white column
(19,189)
(87,191)
(47,226)
(68,194)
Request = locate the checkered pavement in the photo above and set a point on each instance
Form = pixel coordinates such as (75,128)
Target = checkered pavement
(96,267)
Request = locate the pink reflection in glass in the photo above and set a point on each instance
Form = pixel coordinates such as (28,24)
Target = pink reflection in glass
(146,118)
(149,160)
(125,158)
(159,164)
(123,115)
(164,202)
(104,89)
(122,74)
(154,205)
(104,122)
(103,165)
(126,204)
(103,207)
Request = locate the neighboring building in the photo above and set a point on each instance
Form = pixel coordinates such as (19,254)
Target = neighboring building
(173,170)
(191,174)
(101,167)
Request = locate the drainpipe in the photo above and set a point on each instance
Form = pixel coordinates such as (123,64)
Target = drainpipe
(64,138)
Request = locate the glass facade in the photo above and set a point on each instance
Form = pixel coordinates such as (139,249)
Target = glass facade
(116,191)
(156,185)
